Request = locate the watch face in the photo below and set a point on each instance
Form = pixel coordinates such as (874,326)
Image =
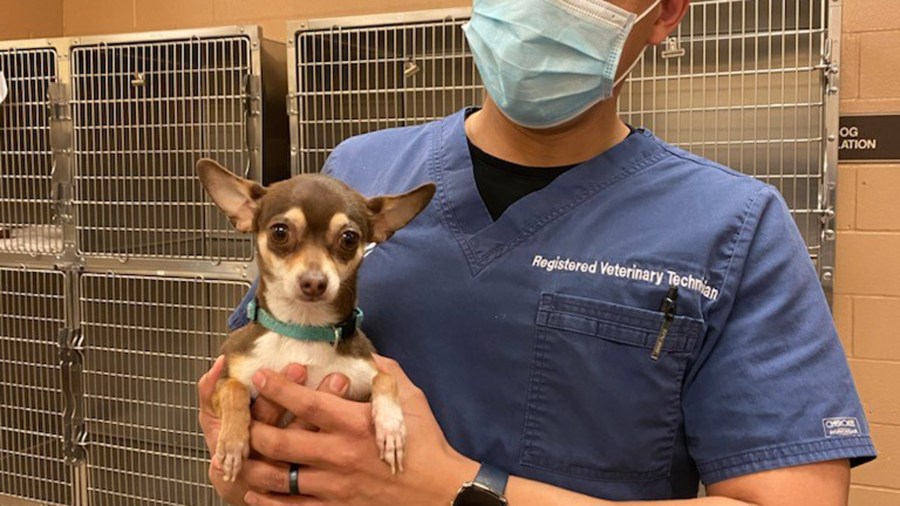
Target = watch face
(476,496)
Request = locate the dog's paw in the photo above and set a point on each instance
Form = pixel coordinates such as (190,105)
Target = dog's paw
(231,452)
(390,431)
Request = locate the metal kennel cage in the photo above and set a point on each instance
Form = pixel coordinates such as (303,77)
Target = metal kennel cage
(144,110)
(749,84)
(349,76)
(27,224)
(147,341)
(32,398)
(117,273)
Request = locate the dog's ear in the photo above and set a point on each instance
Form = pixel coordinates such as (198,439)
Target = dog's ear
(390,213)
(238,198)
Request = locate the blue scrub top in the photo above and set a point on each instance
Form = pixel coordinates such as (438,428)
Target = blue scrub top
(532,335)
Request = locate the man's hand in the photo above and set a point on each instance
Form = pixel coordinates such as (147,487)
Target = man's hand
(340,462)
(263,410)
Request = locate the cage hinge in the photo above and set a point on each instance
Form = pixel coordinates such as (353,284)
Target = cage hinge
(826,218)
(830,69)
(293,104)
(253,110)
(832,78)
(71,360)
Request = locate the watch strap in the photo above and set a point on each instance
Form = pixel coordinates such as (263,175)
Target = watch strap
(492,478)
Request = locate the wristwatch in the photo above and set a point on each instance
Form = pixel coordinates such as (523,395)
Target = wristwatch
(485,490)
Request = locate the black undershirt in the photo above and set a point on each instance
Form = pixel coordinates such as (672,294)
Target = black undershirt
(501,183)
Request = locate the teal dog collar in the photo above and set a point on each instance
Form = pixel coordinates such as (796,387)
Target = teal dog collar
(325,333)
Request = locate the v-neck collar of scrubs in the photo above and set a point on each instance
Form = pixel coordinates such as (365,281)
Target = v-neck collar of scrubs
(484,240)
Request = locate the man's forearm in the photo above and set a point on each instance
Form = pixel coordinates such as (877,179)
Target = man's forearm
(523,492)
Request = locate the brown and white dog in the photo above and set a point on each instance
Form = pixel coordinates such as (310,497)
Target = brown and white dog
(311,231)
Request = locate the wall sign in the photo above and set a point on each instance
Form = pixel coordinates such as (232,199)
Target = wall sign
(874,138)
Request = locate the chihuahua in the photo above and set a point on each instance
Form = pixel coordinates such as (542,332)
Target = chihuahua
(311,232)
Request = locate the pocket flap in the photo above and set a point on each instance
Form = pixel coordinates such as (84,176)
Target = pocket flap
(615,322)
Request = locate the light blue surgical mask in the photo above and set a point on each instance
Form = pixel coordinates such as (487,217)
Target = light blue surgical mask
(544,62)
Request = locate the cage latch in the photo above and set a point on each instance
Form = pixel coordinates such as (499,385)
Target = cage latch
(61,146)
(410,68)
(138,80)
(673,48)
(71,359)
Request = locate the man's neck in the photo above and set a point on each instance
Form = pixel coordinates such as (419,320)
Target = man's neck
(581,139)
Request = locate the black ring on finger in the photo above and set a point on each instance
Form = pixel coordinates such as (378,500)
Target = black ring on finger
(292,479)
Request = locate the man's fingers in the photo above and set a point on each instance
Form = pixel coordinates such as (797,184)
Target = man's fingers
(206,386)
(323,410)
(294,445)
(254,499)
(335,384)
(274,478)
(269,412)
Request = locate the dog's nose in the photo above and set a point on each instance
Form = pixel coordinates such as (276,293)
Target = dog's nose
(313,284)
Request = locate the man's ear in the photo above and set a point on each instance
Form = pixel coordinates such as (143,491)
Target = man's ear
(390,213)
(670,16)
(238,198)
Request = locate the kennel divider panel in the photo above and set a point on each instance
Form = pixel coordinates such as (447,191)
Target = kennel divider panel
(144,112)
(147,341)
(32,402)
(26,197)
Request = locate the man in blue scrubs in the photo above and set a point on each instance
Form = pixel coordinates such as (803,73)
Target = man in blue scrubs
(586,308)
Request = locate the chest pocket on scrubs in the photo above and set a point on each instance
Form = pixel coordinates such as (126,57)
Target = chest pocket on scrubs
(598,407)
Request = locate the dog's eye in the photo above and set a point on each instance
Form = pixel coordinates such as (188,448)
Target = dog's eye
(279,233)
(349,239)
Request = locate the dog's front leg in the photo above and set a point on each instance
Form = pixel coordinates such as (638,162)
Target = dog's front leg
(390,429)
(232,404)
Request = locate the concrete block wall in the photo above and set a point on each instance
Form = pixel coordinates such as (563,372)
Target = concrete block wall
(867,274)
(80,17)
(29,19)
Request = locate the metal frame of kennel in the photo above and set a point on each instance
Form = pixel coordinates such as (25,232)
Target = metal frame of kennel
(771,64)
(117,125)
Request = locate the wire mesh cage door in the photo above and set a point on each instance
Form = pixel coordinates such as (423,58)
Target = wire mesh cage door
(348,80)
(26,196)
(741,83)
(32,312)
(144,112)
(147,341)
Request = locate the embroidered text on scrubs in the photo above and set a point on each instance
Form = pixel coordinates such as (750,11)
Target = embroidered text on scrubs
(633,272)
(692,283)
(563,264)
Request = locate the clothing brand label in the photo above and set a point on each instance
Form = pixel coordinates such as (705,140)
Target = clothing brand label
(840,427)
(632,272)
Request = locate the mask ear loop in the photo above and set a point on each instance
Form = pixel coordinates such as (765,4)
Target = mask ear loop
(641,56)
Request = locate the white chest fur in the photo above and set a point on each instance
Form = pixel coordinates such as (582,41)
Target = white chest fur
(275,352)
